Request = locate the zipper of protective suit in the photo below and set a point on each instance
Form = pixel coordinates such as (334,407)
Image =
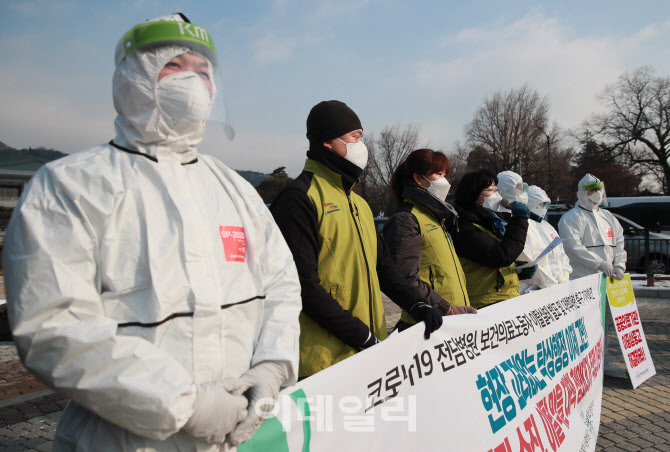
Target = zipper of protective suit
(365,257)
(451,249)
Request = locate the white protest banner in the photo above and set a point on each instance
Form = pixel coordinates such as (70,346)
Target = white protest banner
(629,330)
(521,375)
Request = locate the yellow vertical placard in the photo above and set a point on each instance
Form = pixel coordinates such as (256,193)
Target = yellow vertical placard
(620,292)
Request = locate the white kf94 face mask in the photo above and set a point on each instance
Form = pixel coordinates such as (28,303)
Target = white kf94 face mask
(493,202)
(439,187)
(184,100)
(596,198)
(357,153)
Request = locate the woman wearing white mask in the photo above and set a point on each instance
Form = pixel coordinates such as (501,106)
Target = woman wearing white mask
(418,235)
(486,245)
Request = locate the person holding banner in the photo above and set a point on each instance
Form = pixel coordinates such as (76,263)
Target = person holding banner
(512,188)
(342,263)
(594,243)
(555,267)
(418,234)
(146,282)
(486,245)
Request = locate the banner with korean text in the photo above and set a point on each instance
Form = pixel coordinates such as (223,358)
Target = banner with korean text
(521,375)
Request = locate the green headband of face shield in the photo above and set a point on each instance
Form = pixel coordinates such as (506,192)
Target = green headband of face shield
(593,186)
(148,34)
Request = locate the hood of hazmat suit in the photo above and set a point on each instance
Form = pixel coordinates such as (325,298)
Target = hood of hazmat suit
(592,235)
(136,271)
(597,198)
(555,266)
(512,188)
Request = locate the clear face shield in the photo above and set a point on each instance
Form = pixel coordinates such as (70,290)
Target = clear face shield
(595,194)
(521,188)
(218,122)
(176,29)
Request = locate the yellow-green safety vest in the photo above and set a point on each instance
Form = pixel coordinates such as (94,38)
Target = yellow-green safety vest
(347,266)
(488,285)
(440,267)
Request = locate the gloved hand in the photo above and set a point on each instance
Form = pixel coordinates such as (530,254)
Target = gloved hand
(371,340)
(219,406)
(606,268)
(618,273)
(564,276)
(456,310)
(520,210)
(527,273)
(423,312)
(264,380)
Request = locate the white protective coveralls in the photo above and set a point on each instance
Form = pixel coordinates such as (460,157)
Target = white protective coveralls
(139,270)
(555,267)
(512,188)
(592,235)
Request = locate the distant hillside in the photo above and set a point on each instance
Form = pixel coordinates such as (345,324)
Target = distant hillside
(51,154)
(253,177)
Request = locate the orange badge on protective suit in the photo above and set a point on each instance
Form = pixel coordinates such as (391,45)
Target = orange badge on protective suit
(234,243)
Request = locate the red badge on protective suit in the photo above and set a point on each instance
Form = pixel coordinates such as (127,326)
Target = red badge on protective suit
(609,232)
(234,243)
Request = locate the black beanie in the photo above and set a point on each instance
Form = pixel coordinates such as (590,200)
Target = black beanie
(328,120)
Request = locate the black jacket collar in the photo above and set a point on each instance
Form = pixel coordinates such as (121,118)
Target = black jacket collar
(347,170)
(441,210)
(475,214)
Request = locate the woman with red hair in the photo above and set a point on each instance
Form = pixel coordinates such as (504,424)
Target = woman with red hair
(418,235)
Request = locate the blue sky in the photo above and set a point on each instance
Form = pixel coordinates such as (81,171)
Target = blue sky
(429,63)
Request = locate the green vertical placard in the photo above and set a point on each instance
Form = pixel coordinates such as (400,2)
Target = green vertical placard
(603,301)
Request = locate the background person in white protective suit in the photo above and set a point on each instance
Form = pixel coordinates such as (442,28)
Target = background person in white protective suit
(555,267)
(594,243)
(511,187)
(149,284)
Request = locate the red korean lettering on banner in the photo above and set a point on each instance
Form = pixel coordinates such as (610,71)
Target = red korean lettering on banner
(234,243)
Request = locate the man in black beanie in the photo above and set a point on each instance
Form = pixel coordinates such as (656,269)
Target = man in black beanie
(342,263)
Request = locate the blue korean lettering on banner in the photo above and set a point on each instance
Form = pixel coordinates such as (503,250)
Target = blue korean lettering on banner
(528,373)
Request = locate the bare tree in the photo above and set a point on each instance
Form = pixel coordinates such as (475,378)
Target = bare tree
(636,124)
(511,128)
(385,152)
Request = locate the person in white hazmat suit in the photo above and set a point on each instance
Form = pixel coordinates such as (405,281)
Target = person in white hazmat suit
(511,187)
(147,283)
(594,243)
(555,267)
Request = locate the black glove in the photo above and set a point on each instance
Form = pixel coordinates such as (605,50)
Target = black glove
(520,210)
(528,272)
(423,312)
(371,340)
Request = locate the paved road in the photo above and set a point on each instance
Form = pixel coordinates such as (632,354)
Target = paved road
(632,420)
